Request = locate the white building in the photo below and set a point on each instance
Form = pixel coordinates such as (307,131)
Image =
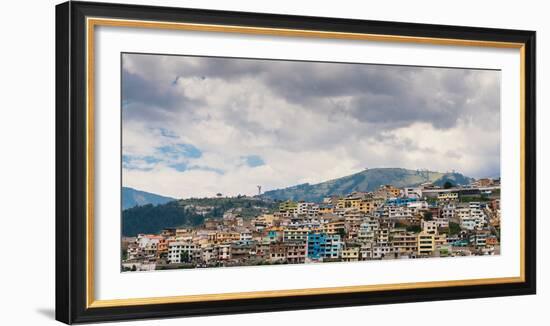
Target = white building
(412,192)
(400,212)
(448,211)
(181,249)
(429,227)
(417,205)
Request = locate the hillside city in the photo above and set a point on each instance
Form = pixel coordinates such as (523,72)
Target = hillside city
(389,223)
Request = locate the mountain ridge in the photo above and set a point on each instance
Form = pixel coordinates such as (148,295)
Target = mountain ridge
(366,180)
(132,197)
(151,217)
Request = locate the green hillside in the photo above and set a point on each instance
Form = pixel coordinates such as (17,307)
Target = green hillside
(151,218)
(367,180)
(188,212)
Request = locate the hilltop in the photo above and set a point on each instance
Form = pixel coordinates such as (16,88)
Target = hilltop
(367,180)
(132,197)
(150,213)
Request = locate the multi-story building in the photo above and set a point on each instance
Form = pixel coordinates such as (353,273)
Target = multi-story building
(331,247)
(429,227)
(149,244)
(353,220)
(326,209)
(404,243)
(335,226)
(182,252)
(351,254)
(288,208)
(298,234)
(308,209)
(399,212)
(371,251)
(471,216)
(209,253)
(412,192)
(367,229)
(426,244)
(478,239)
(292,252)
(349,202)
(323,246)
(447,196)
(388,191)
(359,226)
(274,234)
(417,205)
(369,205)
(227,236)
(245,236)
(448,211)
(224,251)
(296,252)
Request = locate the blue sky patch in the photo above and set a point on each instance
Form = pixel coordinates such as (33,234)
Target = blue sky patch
(181,167)
(175,156)
(141,163)
(179,150)
(254,160)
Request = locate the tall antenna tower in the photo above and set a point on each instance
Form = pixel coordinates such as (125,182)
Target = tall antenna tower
(259,190)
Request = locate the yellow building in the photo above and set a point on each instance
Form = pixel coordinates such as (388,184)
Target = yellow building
(388,191)
(268,219)
(392,190)
(351,254)
(370,205)
(334,227)
(325,209)
(447,196)
(348,202)
(288,205)
(426,244)
(222,237)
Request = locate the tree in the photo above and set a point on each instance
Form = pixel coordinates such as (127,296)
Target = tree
(428,216)
(415,228)
(399,225)
(184,257)
(448,185)
(454,228)
(342,233)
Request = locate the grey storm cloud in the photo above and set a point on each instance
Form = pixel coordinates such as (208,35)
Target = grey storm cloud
(305,121)
(392,96)
(140,95)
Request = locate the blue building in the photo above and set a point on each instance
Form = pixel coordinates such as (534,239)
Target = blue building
(274,236)
(321,245)
(400,201)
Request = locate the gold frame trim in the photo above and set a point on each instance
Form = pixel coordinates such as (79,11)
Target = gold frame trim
(92,22)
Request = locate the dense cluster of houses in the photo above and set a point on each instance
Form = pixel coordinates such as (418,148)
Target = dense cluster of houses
(389,223)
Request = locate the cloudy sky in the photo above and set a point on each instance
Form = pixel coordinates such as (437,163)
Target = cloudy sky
(196,126)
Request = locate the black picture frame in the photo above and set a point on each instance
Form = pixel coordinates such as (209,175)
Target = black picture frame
(71,158)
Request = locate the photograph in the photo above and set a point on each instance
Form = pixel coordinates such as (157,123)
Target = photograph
(230,161)
(247,161)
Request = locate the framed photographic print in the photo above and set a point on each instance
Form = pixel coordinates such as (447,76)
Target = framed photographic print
(212,162)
